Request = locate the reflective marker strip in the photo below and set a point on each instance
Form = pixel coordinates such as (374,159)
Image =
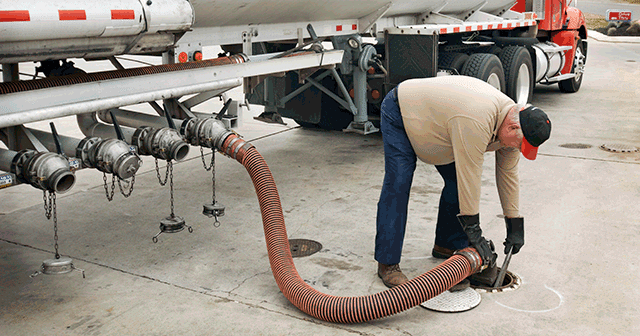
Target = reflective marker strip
(509,25)
(338,28)
(122,14)
(14,15)
(71,15)
(64,15)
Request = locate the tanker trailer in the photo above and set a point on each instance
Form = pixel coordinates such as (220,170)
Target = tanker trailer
(513,45)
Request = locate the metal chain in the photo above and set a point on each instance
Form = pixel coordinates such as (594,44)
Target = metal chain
(47,204)
(108,193)
(129,186)
(213,177)
(204,163)
(50,211)
(166,174)
(170,170)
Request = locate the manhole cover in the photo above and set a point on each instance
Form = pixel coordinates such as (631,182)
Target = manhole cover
(575,146)
(454,302)
(619,148)
(511,282)
(303,247)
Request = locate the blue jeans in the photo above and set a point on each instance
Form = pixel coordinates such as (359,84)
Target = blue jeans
(400,164)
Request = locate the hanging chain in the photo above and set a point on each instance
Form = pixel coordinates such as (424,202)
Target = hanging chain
(213,177)
(50,212)
(170,170)
(166,174)
(48,204)
(128,189)
(204,163)
(108,193)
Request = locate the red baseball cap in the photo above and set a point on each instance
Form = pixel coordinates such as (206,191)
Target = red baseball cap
(536,128)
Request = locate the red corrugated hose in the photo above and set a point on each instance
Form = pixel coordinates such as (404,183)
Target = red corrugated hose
(328,307)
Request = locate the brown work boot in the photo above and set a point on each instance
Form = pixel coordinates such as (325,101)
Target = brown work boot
(391,275)
(441,252)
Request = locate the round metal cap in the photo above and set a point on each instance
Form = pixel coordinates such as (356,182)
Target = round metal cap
(172,224)
(128,165)
(211,210)
(454,302)
(619,148)
(57,266)
(303,247)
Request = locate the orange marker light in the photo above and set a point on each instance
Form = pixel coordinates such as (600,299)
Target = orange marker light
(375,94)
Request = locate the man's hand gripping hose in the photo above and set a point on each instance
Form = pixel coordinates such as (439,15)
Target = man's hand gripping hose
(486,249)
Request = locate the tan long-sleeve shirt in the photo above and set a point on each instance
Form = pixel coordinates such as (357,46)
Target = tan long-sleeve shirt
(456,118)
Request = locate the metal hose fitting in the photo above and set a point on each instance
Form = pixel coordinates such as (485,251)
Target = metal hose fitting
(110,156)
(209,132)
(165,143)
(43,170)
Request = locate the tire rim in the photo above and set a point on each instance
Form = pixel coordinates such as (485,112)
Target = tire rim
(579,63)
(523,85)
(494,80)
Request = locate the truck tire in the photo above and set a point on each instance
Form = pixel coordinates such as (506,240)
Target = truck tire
(452,61)
(486,67)
(573,85)
(518,73)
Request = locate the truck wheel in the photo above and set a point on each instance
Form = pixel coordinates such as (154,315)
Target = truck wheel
(452,61)
(518,73)
(573,85)
(486,67)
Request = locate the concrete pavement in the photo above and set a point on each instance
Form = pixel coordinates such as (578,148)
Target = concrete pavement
(579,268)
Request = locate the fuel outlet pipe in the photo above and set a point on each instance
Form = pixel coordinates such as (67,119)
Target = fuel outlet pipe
(43,170)
(295,289)
(162,143)
(111,156)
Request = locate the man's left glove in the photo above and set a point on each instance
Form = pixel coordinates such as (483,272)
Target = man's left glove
(515,234)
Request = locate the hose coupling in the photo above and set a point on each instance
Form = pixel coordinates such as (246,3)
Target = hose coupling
(474,258)
(165,143)
(43,170)
(209,132)
(111,156)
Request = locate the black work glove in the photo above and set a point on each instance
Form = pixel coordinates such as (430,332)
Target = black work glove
(515,234)
(471,226)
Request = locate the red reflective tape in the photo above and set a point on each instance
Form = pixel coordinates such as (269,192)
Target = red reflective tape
(500,26)
(468,28)
(443,30)
(354,27)
(456,29)
(123,14)
(14,15)
(71,15)
(490,26)
(339,28)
